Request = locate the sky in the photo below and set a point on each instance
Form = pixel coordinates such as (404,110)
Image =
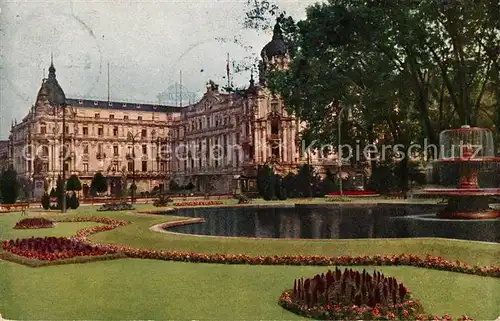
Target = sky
(147,45)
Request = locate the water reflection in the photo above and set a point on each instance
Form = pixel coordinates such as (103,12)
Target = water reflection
(330,222)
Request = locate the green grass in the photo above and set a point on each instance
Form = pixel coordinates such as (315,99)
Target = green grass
(149,289)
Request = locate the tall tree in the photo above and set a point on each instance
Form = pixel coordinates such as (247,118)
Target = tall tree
(9,186)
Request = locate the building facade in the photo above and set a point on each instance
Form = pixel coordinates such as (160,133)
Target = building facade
(121,140)
(217,144)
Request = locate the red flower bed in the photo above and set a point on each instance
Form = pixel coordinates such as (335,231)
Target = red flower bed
(407,311)
(350,295)
(201,203)
(34,223)
(354,193)
(53,248)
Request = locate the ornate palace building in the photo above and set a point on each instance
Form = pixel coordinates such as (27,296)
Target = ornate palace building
(216,144)
(116,138)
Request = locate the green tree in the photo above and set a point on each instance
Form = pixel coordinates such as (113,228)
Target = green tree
(45,201)
(99,183)
(265,182)
(307,178)
(407,69)
(73,184)
(9,186)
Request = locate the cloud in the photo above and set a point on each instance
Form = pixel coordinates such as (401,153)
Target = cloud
(146,44)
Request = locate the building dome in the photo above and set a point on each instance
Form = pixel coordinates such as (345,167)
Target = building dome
(277,46)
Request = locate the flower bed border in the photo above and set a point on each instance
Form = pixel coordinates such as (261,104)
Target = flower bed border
(430,262)
(365,313)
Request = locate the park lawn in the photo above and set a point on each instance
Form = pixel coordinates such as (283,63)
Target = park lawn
(7,232)
(149,289)
(137,234)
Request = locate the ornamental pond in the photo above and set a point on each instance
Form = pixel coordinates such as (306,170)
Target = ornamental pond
(335,221)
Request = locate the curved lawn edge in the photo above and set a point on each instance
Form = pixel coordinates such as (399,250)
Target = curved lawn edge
(161,228)
(430,262)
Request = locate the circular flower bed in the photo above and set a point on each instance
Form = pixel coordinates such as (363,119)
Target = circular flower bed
(34,223)
(351,295)
(53,248)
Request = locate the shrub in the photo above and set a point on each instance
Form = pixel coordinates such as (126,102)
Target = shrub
(46,201)
(242,199)
(99,183)
(34,223)
(163,200)
(73,203)
(116,207)
(73,183)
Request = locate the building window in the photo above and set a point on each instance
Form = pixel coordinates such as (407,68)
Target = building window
(162,167)
(139,118)
(130,166)
(125,117)
(115,150)
(85,149)
(45,151)
(99,148)
(144,149)
(115,131)
(111,116)
(274,106)
(85,167)
(66,167)
(96,115)
(144,133)
(85,131)
(100,131)
(144,166)
(66,129)
(43,130)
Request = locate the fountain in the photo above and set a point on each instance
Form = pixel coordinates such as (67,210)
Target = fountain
(471,149)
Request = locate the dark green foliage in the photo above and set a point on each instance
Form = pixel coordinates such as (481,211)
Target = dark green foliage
(53,192)
(73,184)
(163,200)
(60,193)
(99,183)
(307,179)
(281,193)
(291,186)
(45,201)
(242,198)
(9,186)
(73,202)
(383,180)
(329,186)
(116,207)
(266,183)
(173,186)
